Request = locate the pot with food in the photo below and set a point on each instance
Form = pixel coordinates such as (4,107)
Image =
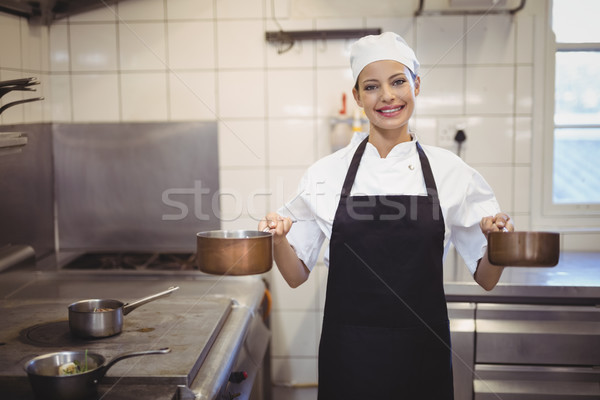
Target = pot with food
(98,318)
(72,375)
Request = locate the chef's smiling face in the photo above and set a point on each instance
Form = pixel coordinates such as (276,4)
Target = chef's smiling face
(387,91)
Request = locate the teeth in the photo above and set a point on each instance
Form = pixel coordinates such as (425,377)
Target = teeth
(391,110)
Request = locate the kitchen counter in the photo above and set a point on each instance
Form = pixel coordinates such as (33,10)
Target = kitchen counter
(575,280)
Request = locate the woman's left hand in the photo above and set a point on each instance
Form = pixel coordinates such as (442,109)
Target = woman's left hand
(488,275)
(496,223)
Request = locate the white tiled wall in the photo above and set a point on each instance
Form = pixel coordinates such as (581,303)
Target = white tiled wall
(23,53)
(159,60)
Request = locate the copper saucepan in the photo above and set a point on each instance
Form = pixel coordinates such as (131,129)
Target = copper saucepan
(524,249)
(234,252)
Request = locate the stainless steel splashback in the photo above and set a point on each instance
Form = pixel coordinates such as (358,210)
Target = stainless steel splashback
(26,191)
(135,186)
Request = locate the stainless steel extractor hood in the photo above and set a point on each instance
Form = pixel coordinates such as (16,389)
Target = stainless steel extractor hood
(47,11)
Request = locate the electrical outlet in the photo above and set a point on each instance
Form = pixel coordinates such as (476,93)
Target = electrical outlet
(447,129)
(445,137)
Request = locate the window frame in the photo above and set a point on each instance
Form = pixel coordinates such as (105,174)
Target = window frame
(545,213)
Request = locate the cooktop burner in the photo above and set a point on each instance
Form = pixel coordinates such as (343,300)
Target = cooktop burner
(135,261)
(48,334)
(58,334)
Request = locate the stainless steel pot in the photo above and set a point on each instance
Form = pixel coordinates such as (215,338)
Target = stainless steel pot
(524,249)
(48,384)
(98,318)
(242,252)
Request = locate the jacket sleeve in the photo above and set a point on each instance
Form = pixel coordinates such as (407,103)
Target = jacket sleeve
(479,201)
(305,236)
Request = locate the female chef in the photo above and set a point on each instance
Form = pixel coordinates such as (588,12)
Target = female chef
(390,207)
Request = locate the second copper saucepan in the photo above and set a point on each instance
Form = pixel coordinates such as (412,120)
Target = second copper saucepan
(524,249)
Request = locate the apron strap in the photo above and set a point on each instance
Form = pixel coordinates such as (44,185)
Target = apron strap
(430,185)
(351,174)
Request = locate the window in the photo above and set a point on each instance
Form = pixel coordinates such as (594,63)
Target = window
(576,146)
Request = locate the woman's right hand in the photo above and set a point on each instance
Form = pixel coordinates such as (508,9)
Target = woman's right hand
(279,226)
(291,267)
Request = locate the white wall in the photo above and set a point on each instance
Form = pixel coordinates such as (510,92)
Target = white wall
(23,54)
(158,60)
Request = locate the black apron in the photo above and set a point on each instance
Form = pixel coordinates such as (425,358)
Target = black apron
(385,331)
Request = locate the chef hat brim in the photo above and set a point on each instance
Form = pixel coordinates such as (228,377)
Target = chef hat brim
(386,46)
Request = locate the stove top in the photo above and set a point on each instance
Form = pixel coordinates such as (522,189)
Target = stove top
(134,261)
(205,324)
(184,325)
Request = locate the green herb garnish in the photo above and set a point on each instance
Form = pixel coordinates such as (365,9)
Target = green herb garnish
(80,369)
(74,367)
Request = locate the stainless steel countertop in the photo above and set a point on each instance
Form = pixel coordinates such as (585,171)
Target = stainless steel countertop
(575,280)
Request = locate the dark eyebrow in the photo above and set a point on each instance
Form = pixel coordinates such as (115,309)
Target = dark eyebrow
(398,75)
(395,76)
(370,80)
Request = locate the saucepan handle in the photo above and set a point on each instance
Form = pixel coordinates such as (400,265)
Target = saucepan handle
(129,307)
(134,354)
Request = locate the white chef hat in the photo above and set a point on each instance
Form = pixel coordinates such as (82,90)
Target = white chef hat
(386,46)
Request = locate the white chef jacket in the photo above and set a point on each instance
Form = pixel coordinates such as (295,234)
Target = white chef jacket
(465,197)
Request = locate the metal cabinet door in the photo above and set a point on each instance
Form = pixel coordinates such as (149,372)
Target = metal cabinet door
(534,334)
(462,331)
(519,382)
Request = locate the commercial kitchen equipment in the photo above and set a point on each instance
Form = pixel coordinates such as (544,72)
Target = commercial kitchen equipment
(213,325)
(535,336)
(97,211)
